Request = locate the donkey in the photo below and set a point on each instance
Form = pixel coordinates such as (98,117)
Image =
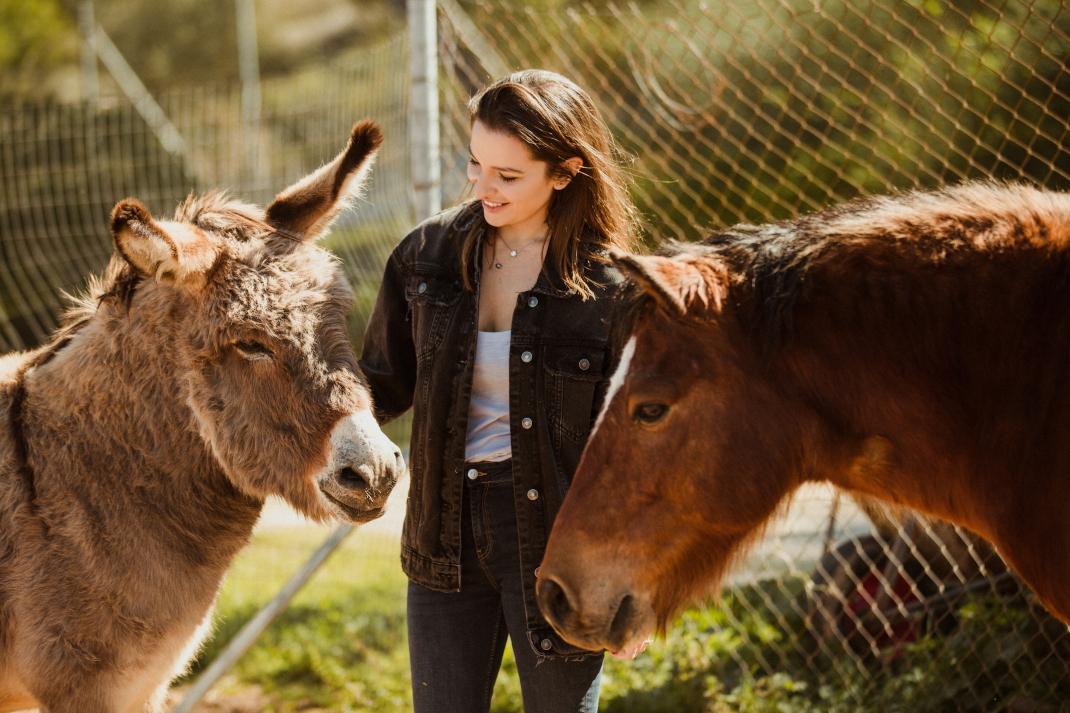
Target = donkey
(208,369)
(913,349)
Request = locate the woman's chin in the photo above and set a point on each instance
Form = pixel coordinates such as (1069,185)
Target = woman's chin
(493,218)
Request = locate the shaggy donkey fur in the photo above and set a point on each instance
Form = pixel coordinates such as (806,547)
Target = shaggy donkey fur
(208,369)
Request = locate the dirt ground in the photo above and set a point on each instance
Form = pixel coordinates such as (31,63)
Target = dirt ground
(247,700)
(226,699)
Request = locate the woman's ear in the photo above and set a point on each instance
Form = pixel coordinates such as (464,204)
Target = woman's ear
(566,171)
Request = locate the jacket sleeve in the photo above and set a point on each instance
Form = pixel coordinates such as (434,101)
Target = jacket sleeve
(388,358)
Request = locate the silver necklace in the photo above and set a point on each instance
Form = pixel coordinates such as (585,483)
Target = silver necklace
(512,252)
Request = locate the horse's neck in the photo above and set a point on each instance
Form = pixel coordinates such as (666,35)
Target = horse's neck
(959,375)
(107,417)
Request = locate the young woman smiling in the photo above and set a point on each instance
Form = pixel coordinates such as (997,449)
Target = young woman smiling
(492,322)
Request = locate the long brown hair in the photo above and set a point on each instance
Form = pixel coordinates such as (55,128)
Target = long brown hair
(557,120)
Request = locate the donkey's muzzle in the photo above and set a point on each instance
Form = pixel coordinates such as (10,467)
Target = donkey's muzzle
(362,470)
(357,493)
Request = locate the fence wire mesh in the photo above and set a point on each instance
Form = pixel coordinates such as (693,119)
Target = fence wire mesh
(753,112)
(731,112)
(63,167)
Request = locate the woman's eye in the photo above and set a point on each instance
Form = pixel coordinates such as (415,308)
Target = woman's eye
(253,349)
(650,412)
(472,161)
(509,179)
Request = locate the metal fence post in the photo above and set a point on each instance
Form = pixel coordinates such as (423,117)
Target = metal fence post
(249,67)
(90,79)
(424,137)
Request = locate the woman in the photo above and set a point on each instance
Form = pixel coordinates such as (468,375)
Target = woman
(492,322)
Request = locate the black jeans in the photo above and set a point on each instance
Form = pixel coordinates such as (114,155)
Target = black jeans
(456,639)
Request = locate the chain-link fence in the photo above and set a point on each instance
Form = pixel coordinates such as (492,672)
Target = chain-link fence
(63,167)
(731,112)
(751,112)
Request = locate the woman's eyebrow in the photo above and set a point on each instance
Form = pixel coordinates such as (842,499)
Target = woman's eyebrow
(496,168)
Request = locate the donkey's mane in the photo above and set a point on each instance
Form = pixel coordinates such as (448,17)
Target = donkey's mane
(214,211)
(218,212)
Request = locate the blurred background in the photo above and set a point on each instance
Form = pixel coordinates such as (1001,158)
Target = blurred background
(725,112)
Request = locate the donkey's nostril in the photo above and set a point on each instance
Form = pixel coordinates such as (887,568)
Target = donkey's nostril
(351,479)
(554,601)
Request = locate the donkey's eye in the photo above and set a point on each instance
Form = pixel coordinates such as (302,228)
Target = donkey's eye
(649,412)
(253,349)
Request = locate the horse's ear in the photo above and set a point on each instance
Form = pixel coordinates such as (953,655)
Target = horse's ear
(679,285)
(173,253)
(305,209)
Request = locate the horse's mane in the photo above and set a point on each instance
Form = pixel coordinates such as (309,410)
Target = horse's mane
(773,265)
(772,259)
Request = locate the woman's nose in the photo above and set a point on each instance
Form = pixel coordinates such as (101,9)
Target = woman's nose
(478,183)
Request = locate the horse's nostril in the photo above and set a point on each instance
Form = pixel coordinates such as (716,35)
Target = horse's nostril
(618,629)
(351,479)
(555,602)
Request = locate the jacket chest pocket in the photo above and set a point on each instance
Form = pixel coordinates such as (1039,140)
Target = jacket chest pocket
(572,378)
(432,306)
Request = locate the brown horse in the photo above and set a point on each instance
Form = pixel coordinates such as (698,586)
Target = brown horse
(915,349)
(209,369)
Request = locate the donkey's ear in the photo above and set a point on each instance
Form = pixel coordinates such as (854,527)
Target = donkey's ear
(168,252)
(679,285)
(306,209)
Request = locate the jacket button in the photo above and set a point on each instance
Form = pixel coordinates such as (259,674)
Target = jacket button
(472,473)
(526,357)
(584,364)
(533,494)
(422,288)
(546,644)
(526,423)
(533,301)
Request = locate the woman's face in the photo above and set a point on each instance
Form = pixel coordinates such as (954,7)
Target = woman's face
(514,187)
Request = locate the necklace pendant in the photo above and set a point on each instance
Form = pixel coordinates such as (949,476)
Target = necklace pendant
(512,253)
(498,265)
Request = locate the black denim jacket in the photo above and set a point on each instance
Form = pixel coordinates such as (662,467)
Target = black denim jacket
(419,351)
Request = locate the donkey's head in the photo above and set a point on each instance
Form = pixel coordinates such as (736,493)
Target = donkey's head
(256,319)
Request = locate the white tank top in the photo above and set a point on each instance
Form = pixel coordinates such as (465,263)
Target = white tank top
(488,411)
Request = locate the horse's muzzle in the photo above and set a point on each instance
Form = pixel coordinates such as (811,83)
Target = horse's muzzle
(596,619)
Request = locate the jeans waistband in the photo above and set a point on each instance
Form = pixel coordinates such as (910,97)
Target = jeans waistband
(488,471)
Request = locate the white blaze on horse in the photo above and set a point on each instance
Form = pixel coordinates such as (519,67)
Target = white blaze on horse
(208,369)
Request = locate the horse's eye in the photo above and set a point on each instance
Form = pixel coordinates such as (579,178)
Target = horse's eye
(253,350)
(650,412)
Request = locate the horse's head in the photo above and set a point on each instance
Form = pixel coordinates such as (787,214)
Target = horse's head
(688,459)
(255,315)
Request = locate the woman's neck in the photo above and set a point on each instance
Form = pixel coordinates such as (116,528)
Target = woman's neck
(523,235)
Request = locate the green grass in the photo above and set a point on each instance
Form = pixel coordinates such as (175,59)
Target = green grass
(342,646)
(341,643)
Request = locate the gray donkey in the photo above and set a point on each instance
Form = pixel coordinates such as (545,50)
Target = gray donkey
(208,369)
